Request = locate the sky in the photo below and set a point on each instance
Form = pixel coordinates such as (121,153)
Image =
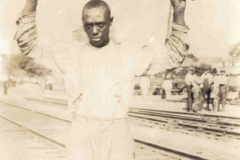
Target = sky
(214,24)
(227,13)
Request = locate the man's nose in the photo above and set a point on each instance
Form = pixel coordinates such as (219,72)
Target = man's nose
(95,31)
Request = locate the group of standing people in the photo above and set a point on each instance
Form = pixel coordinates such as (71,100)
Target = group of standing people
(212,85)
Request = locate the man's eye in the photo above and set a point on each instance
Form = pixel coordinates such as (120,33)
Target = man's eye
(100,24)
(89,25)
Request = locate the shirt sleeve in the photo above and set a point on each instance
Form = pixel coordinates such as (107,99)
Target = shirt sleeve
(162,58)
(210,79)
(198,80)
(72,80)
(27,37)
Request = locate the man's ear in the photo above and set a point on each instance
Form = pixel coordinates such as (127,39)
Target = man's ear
(111,19)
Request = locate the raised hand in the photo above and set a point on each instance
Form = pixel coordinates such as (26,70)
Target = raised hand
(179,8)
(178,5)
(30,6)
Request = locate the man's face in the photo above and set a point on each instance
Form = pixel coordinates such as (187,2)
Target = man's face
(192,72)
(96,24)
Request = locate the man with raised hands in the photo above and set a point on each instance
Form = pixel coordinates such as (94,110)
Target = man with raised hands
(104,72)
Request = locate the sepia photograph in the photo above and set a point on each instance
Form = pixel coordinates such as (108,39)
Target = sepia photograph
(119,80)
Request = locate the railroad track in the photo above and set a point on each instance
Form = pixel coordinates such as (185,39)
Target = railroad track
(211,126)
(217,117)
(54,130)
(28,144)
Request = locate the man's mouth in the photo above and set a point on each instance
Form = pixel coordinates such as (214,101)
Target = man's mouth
(96,39)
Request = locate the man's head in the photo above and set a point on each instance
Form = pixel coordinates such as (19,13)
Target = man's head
(198,71)
(222,72)
(214,71)
(96,18)
(207,71)
(192,70)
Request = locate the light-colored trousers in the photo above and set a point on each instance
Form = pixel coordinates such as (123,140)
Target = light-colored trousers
(198,99)
(91,139)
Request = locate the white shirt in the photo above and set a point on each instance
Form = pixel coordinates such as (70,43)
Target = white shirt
(188,79)
(196,81)
(193,80)
(104,79)
(223,79)
(207,76)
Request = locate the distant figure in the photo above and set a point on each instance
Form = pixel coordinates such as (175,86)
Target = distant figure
(4,82)
(223,85)
(194,85)
(215,91)
(206,90)
(167,85)
(49,82)
(188,81)
(3,74)
(197,93)
(145,86)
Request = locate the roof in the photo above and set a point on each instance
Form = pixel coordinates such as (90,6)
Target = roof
(231,70)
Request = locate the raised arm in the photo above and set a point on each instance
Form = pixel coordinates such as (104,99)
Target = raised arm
(30,6)
(173,54)
(26,35)
(178,11)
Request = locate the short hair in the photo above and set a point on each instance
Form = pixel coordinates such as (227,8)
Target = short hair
(214,70)
(96,4)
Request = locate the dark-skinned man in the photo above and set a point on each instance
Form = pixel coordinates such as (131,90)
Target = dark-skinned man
(104,74)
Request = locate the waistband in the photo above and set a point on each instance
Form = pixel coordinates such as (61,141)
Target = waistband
(222,85)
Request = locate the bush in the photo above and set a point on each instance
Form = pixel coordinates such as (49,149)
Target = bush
(21,62)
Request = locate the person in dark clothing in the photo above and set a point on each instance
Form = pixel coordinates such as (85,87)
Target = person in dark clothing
(207,80)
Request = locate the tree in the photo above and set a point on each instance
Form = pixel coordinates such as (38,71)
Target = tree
(235,50)
(21,62)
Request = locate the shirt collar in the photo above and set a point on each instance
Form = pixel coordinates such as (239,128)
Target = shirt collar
(109,45)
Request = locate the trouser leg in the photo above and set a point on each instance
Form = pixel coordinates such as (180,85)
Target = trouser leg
(201,101)
(163,93)
(189,98)
(208,98)
(216,104)
(223,96)
(168,94)
(204,92)
(212,103)
(99,140)
(196,97)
